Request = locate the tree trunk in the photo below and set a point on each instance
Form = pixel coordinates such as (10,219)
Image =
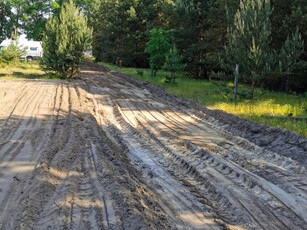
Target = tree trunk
(287,84)
(155,72)
(200,72)
(252,89)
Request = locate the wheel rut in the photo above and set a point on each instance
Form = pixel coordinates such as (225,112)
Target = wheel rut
(107,152)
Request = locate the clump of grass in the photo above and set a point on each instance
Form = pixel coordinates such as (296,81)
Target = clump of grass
(24,70)
(140,73)
(219,95)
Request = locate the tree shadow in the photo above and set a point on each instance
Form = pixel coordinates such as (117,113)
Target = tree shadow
(21,75)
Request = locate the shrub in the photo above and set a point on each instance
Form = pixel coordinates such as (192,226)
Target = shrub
(12,53)
(140,73)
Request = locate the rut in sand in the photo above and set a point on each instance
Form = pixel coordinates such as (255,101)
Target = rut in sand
(110,152)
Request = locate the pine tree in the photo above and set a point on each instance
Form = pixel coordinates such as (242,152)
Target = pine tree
(287,16)
(173,64)
(12,53)
(66,38)
(290,53)
(249,40)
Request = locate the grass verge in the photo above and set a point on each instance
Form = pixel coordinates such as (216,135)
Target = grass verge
(24,70)
(219,95)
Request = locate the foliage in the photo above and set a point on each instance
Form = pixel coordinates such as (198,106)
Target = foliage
(5,22)
(173,64)
(200,33)
(249,39)
(249,44)
(288,15)
(33,15)
(140,73)
(121,29)
(12,53)
(219,95)
(290,53)
(157,47)
(66,38)
(30,16)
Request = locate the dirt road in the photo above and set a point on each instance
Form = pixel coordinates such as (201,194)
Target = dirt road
(109,152)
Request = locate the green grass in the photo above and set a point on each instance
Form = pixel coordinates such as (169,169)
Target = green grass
(219,95)
(25,70)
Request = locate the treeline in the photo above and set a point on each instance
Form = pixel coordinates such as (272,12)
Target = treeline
(271,47)
(207,34)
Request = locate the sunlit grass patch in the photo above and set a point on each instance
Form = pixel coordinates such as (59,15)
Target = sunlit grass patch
(219,95)
(25,70)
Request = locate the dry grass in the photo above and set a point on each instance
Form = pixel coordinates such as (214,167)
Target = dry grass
(25,70)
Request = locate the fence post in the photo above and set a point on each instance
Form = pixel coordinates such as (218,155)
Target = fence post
(236,83)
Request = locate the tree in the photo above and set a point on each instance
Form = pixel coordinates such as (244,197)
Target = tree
(12,53)
(173,64)
(288,57)
(157,47)
(34,18)
(290,53)
(287,16)
(249,44)
(200,33)
(6,23)
(249,41)
(121,28)
(66,38)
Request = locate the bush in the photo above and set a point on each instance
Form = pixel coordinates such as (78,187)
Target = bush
(12,53)
(66,38)
(140,73)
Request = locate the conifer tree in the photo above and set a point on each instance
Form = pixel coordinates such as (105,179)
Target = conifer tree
(290,53)
(289,57)
(249,40)
(249,44)
(12,53)
(173,64)
(66,38)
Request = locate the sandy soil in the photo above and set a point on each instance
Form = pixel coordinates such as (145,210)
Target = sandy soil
(110,152)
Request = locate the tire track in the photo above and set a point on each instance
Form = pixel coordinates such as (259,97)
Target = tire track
(273,215)
(104,153)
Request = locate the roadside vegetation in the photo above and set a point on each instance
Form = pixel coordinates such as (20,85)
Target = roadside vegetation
(24,70)
(219,95)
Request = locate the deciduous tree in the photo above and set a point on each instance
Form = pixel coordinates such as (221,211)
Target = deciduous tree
(157,47)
